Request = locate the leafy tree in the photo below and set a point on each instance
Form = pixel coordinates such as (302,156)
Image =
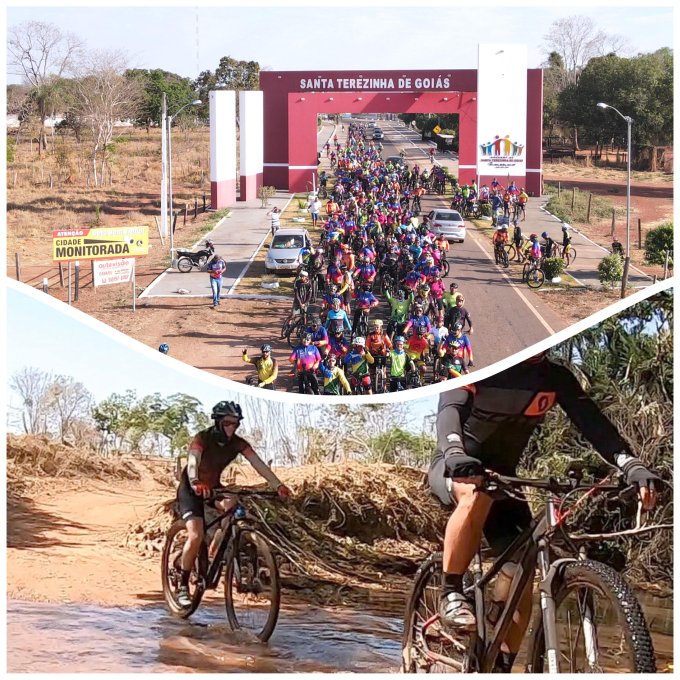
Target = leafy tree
(32,384)
(401,447)
(610,269)
(113,415)
(658,242)
(153,83)
(230,74)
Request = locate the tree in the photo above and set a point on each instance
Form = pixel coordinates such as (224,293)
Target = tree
(112,416)
(153,83)
(103,96)
(659,242)
(32,384)
(41,54)
(231,74)
(69,402)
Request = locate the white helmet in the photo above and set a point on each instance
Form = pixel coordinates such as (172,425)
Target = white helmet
(360,341)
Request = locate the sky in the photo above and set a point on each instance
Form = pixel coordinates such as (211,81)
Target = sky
(188,40)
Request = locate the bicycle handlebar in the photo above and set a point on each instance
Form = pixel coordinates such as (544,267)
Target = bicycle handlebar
(504,483)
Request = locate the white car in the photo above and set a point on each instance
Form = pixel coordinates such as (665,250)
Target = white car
(285,251)
(449,223)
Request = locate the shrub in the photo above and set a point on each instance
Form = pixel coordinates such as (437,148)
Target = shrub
(552,267)
(10,150)
(657,242)
(485,209)
(264,193)
(610,269)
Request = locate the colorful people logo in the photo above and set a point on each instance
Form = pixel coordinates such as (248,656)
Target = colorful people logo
(502,147)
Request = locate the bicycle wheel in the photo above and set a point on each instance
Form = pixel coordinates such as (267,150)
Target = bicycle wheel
(379,381)
(425,647)
(446,267)
(315,288)
(252,593)
(535,277)
(185,265)
(170,570)
(510,251)
(569,256)
(504,258)
(525,271)
(285,325)
(600,625)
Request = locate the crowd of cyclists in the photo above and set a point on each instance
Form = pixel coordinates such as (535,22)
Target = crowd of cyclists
(371,311)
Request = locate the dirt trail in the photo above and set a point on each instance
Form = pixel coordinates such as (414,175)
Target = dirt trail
(65,546)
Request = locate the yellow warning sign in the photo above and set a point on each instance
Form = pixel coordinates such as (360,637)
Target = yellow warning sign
(100,243)
(436,129)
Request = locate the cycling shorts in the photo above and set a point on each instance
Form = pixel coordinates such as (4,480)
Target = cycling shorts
(190,504)
(365,380)
(507,519)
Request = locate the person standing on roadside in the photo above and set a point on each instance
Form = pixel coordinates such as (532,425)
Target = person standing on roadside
(275,214)
(216,267)
(315,209)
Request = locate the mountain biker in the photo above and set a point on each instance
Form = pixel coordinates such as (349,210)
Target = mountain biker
(210,452)
(357,361)
(302,292)
(533,251)
(333,377)
(164,348)
(400,364)
(335,314)
(500,239)
(399,306)
(449,299)
(487,425)
(566,239)
(457,346)
(266,366)
(378,344)
(548,245)
(319,335)
(365,301)
(337,344)
(459,314)
(306,359)
(418,347)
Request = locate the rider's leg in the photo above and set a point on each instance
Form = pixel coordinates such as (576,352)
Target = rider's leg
(192,545)
(223,505)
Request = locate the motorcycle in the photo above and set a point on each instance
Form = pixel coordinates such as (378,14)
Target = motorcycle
(187,260)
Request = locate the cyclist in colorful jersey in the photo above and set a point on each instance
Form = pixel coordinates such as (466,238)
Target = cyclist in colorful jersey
(548,247)
(566,239)
(418,319)
(306,359)
(400,364)
(335,314)
(357,363)
(319,335)
(365,273)
(418,348)
(457,346)
(266,366)
(487,425)
(459,314)
(399,306)
(365,301)
(379,345)
(412,280)
(522,200)
(500,240)
(210,452)
(534,248)
(449,299)
(334,379)
(337,344)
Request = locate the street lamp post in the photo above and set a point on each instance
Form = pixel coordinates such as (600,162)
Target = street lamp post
(169,120)
(626,261)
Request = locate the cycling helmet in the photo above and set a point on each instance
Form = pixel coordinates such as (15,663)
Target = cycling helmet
(305,251)
(565,226)
(377,323)
(266,348)
(422,329)
(359,341)
(544,234)
(458,327)
(307,336)
(226,409)
(400,294)
(164,348)
(338,329)
(315,321)
(532,237)
(505,228)
(453,286)
(399,338)
(303,273)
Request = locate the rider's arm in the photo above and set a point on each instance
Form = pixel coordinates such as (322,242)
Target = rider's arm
(246,358)
(194,459)
(454,408)
(343,381)
(261,467)
(345,321)
(588,417)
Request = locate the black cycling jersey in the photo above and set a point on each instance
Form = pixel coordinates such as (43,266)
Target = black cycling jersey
(214,457)
(496,417)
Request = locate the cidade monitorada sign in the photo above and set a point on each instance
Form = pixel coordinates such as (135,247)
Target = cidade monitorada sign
(435,81)
(100,243)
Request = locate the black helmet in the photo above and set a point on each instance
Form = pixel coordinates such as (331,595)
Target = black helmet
(226,409)
(266,348)
(164,348)
(544,234)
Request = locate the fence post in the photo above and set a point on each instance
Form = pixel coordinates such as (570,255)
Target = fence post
(559,189)
(204,202)
(665,266)
(590,201)
(573,198)
(195,207)
(46,285)
(77,282)
(61,275)
(639,233)
(17,261)
(186,212)
(613,220)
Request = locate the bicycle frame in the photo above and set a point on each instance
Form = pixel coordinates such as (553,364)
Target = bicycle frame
(212,578)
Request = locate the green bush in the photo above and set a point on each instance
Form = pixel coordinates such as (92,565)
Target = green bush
(610,269)
(657,242)
(552,267)
(10,150)
(485,209)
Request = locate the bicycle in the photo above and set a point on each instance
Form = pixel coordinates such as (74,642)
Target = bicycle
(501,254)
(380,378)
(293,326)
(251,576)
(557,631)
(532,274)
(567,253)
(361,329)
